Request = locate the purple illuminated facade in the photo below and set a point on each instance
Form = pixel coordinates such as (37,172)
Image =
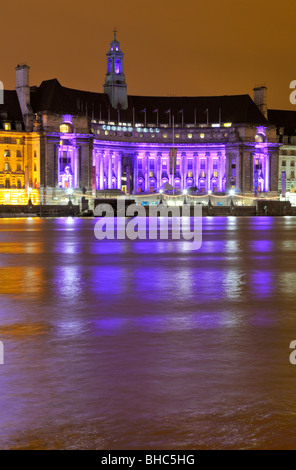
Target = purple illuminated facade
(93,142)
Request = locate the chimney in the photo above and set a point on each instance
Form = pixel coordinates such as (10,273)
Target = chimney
(1,93)
(260,99)
(23,93)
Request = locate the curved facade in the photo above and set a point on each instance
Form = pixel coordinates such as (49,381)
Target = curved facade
(112,141)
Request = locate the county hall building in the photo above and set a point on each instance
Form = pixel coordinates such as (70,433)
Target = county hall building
(54,139)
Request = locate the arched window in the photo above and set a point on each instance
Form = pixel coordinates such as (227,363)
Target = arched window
(117,66)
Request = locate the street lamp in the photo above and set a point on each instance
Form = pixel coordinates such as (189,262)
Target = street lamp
(69,192)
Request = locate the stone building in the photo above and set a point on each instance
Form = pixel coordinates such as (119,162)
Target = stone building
(285,122)
(91,142)
(19,155)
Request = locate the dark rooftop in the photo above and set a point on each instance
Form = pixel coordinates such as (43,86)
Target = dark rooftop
(51,96)
(10,110)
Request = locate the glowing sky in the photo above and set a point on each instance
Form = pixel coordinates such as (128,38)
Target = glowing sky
(171,47)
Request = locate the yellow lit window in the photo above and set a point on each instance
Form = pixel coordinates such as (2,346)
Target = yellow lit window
(151,173)
(106,132)
(65,128)
(177,136)
(189,136)
(165,136)
(190,174)
(202,136)
(7,126)
(202,174)
(215,174)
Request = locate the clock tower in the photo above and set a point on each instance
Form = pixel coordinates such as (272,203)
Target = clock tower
(115,85)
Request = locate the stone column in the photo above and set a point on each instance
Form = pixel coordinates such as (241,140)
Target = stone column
(274,170)
(158,169)
(110,170)
(119,171)
(184,170)
(102,170)
(197,170)
(147,188)
(195,157)
(266,172)
(219,170)
(238,172)
(208,175)
(228,170)
(135,173)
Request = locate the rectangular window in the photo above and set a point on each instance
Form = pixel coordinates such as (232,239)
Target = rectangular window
(18,154)
(202,175)
(151,174)
(19,167)
(284,163)
(6,153)
(292,163)
(7,140)
(215,164)
(292,174)
(190,174)
(152,164)
(140,164)
(35,154)
(203,164)
(7,126)
(190,165)
(215,174)
(164,163)
(35,167)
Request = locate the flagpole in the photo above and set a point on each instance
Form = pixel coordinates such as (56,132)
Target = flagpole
(157,118)
(220,116)
(173,166)
(195,116)
(133,117)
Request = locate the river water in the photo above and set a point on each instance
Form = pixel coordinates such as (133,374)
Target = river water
(125,344)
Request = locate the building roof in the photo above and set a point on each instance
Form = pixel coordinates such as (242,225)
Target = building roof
(51,96)
(282,118)
(10,110)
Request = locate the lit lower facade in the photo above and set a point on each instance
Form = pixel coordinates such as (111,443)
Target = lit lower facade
(205,159)
(19,166)
(92,142)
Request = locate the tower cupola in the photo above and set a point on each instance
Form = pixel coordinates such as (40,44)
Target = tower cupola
(115,85)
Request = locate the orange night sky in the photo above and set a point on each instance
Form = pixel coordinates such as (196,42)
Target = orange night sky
(171,47)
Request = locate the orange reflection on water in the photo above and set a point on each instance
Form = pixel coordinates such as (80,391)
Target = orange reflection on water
(18,248)
(26,280)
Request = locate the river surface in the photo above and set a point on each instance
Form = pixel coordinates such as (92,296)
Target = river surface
(125,344)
